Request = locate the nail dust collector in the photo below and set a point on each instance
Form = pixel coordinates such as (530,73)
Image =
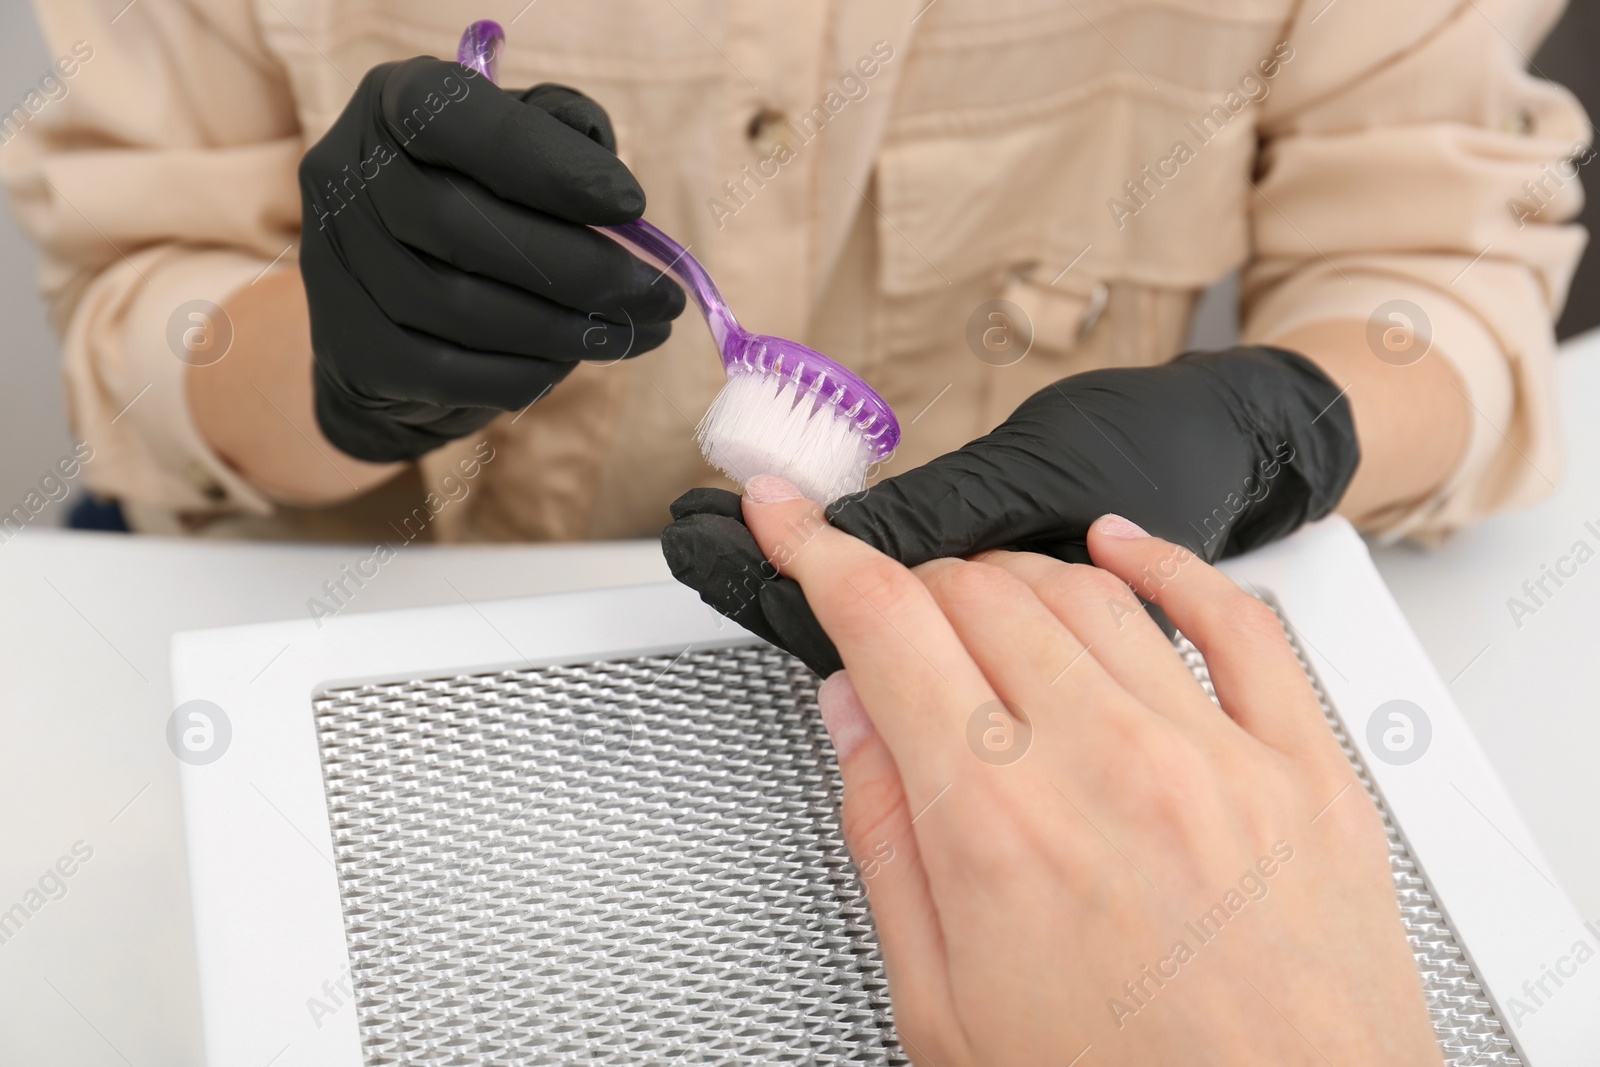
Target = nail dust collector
(602,829)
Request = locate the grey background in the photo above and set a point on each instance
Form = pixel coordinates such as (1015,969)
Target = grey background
(33,417)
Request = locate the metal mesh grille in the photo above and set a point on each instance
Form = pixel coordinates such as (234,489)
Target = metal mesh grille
(612,863)
(1470,1033)
(639,861)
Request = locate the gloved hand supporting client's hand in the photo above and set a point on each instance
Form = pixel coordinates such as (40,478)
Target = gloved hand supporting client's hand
(1217,451)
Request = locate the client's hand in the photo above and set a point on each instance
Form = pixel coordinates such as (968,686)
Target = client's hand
(1070,851)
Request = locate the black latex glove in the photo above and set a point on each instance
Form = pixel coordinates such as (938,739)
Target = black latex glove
(1217,451)
(446,259)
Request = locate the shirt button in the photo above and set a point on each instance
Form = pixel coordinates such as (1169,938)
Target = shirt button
(1098,299)
(206,485)
(768,130)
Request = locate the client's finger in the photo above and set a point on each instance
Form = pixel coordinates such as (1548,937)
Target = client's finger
(1046,675)
(1258,680)
(877,828)
(1102,611)
(909,665)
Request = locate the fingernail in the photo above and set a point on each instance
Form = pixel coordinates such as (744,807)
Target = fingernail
(1118,528)
(843,714)
(770,489)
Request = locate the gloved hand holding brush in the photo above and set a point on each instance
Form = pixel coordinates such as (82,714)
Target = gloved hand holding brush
(1218,451)
(448,261)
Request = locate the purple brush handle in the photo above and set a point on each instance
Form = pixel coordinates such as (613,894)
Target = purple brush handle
(479,50)
(741,350)
(674,259)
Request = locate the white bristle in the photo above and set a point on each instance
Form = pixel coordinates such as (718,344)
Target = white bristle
(764,424)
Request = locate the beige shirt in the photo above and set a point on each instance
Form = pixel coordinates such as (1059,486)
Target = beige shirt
(862,176)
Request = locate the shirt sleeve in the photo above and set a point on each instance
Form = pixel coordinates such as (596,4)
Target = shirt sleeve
(156,170)
(1428,184)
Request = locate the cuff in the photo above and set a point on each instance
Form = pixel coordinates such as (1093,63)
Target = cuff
(1458,336)
(127,351)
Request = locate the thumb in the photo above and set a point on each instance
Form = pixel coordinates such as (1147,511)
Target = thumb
(452,117)
(876,821)
(576,110)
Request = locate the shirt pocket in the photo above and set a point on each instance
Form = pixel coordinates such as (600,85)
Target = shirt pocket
(1112,186)
(1042,210)
(1027,138)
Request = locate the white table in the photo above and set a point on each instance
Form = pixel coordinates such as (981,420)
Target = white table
(1531,693)
(104,975)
